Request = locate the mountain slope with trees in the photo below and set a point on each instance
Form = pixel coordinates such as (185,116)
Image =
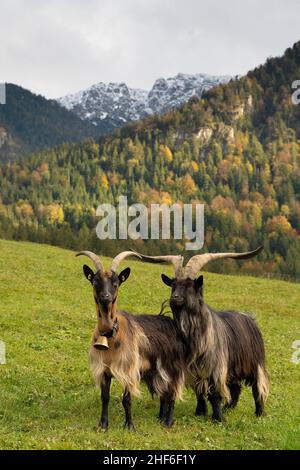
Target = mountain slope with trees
(29,122)
(237,149)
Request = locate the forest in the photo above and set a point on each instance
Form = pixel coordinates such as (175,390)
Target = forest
(30,122)
(237,150)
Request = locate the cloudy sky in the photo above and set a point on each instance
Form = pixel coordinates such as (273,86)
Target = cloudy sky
(55,47)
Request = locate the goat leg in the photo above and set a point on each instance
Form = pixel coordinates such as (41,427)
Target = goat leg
(235,391)
(259,404)
(163,408)
(105,389)
(215,400)
(201,409)
(126,402)
(168,421)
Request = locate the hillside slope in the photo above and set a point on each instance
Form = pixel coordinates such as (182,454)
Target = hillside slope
(47,316)
(30,122)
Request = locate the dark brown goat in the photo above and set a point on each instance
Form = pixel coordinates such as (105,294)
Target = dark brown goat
(146,347)
(224,348)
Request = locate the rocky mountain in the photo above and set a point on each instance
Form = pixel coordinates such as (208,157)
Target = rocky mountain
(113,105)
(30,122)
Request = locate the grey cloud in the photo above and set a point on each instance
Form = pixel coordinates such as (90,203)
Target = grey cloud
(61,46)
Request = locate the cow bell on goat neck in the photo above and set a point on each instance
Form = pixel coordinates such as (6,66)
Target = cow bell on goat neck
(101,343)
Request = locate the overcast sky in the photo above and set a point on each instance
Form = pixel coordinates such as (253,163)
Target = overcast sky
(55,47)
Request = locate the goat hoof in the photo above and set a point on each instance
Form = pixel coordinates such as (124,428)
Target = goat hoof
(168,424)
(102,427)
(129,426)
(218,418)
(230,406)
(201,413)
(227,407)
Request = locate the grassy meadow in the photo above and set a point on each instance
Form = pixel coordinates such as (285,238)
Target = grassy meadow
(47,396)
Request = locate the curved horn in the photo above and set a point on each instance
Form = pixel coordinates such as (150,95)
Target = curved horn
(197,262)
(176,260)
(94,258)
(119,258)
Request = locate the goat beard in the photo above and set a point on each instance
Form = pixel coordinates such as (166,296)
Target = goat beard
(191,323)
(206,344)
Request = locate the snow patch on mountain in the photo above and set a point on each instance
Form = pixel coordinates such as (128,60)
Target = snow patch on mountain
(114,104)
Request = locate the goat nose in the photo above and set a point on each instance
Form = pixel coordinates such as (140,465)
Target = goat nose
(104,296)
(175,296)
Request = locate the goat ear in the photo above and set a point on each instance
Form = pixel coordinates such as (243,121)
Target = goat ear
(198,283)
(124,275)
(166,280)
(88,272)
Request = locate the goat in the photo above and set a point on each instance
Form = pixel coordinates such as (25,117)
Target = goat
(131,348)
(224,348)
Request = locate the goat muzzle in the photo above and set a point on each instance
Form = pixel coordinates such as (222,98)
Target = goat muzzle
(176,301)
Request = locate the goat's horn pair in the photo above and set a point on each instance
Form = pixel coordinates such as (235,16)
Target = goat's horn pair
(197,262)
(115,262)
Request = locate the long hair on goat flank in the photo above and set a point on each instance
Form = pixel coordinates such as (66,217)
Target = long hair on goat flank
(208,341)
(163,383)
(262,383)
(125,363)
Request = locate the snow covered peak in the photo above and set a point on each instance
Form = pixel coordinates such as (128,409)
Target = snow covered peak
(172,92)
(112,105)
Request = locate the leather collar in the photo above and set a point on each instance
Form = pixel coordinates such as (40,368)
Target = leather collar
(113,332)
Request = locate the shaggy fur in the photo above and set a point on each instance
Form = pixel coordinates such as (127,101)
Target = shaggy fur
(144,347)
(224,348)
(165,355)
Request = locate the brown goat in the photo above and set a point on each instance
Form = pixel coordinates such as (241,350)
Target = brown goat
(131,348)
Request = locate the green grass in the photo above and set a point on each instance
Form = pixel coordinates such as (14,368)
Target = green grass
(47,396)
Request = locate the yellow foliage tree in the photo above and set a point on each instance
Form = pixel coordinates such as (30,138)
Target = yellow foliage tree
(44,168)
(25,210)
(249,168)
(166,198)
(36,177)
(166,152)
(104,182)
(114,179)
(285,210)
(54,214)
(188,185)
(195,166)
(278,223)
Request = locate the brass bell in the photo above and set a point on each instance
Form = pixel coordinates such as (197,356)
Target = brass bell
(101,343)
